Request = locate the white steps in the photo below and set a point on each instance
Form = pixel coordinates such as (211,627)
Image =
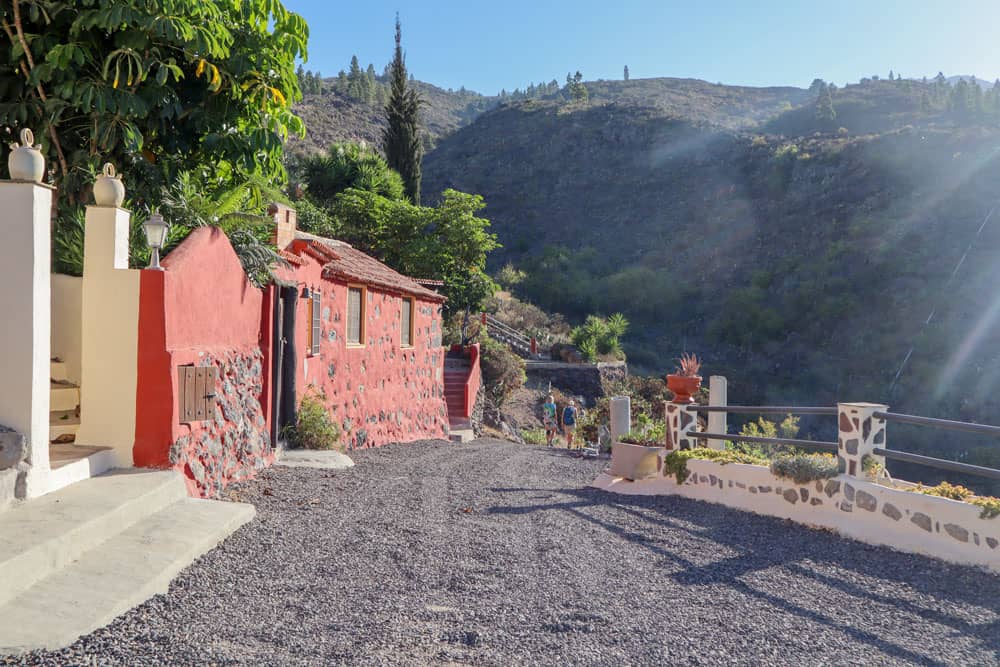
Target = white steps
(64,403)
(75,559)
(63,422)
(63,395)
(57,370)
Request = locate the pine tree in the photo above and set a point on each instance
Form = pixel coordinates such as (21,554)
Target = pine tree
(626,72)
(892,76)
(824,106)
(356,80)
(575,88)
(401,137)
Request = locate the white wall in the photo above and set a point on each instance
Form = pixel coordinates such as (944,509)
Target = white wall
(914,522)
(67,299)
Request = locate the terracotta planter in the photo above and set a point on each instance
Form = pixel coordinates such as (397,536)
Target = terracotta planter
(684,387)
(634,461)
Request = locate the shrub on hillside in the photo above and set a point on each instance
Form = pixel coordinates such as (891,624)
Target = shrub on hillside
(503,371)
(601,337)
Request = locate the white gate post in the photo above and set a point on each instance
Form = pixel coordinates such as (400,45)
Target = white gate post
(718,389)
(25,337)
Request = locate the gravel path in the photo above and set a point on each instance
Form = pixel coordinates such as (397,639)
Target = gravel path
(497,554)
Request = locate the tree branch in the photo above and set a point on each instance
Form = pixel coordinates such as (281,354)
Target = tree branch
(27,73)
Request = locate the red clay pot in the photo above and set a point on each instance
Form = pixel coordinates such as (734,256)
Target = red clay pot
(683,387)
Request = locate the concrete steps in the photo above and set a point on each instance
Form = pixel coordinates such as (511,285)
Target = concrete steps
(456,376)
(64,404)
(75,559)
(57,370)
(63,395)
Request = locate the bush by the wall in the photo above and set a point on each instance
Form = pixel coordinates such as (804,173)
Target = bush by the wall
(313,428)
(805,468)
(675,463)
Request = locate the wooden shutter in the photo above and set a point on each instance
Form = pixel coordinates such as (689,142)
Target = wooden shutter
(406,323)
(315,336)
(196,392)
(355,304)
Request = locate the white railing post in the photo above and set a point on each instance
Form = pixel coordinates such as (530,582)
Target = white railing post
(620,409)
(718,389)
(858,432)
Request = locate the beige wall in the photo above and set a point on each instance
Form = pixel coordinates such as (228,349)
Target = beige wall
(109,335)
(67,298)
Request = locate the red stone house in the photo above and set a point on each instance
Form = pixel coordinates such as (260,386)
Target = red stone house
(223,365)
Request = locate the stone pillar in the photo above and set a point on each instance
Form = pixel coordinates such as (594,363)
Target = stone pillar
(109,335)
(858,432)
(25,337)
(620,408)
(682,426)
(718,390)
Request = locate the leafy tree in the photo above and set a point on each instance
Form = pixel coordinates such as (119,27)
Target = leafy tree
(158,87)
(401,137)
(816,86)
(349,165)
(626,72)
(448,242)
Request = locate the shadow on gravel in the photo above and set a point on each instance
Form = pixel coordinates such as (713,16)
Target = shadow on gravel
(938,591)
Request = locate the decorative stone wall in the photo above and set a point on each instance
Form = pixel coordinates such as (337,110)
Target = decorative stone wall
(682,423)
(859,432)
(856,508)
(13,467)
(235,443)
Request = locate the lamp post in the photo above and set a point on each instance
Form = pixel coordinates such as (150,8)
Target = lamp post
(156,237)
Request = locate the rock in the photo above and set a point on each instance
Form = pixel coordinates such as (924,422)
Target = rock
(13,447)
(922,520)
(866,501)
(957,532)
(791,495)
(892,512)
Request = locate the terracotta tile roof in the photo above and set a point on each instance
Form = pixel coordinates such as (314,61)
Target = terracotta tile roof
(291,258)
(429,282)
(347,263)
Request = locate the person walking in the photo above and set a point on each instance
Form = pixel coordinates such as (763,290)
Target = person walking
(549,419)
(569,422)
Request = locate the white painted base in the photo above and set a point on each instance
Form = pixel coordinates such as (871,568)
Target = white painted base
(77,471)
(912,522)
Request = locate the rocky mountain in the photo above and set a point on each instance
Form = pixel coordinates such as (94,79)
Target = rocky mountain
(799,256)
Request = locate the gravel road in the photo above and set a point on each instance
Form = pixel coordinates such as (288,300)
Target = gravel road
(497,554)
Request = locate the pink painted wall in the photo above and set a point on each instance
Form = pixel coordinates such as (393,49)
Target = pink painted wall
(381,392)
(202,311)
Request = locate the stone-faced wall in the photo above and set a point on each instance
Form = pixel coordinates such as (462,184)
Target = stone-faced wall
(379,392)
(586,380)
(202,311)
(904,520)
(235,443)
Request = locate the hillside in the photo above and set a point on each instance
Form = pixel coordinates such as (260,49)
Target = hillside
(800,265)
(331,116)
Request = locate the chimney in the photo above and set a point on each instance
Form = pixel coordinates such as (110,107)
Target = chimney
(284,224)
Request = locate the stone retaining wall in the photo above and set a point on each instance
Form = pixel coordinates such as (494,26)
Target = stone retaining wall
(904,520)
(586,380)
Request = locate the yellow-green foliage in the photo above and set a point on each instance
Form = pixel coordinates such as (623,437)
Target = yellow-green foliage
(871,466)
(534,436)
(675,463)
(989,506)
(805,468)
(313,428)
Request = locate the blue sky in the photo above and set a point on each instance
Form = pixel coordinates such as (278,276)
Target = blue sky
(487,46)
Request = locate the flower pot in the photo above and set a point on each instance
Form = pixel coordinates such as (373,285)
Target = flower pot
(108,188)
(634,461)
(26,162)
(684,387)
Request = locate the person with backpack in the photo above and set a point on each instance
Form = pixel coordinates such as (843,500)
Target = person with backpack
(569,417)
(549,421)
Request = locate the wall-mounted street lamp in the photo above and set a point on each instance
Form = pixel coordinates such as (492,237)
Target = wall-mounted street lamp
(156,237)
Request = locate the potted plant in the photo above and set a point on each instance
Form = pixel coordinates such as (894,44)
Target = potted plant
(685,382)
(634,457)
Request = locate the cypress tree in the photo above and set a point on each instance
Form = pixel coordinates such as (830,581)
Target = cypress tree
(626,72)
(401,137)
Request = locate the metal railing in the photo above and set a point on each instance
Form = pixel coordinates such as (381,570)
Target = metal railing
(814,444)
(968,427)
(766,409)
(517,340)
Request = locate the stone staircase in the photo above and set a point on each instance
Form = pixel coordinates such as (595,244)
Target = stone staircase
(456,376)
(64,407)
(75,559)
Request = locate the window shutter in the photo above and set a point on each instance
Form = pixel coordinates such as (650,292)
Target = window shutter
(354,303)
(316,335)
(406,324)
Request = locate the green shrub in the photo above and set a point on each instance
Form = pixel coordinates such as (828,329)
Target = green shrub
(871,466)
(945,490)
(313,428)
(600,337)
(990,506)
(675,462)
(534,436)
(804,468)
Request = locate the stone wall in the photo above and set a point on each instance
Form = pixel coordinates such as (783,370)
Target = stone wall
(235,443)
(584,380)
(856,508)
(13,468)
